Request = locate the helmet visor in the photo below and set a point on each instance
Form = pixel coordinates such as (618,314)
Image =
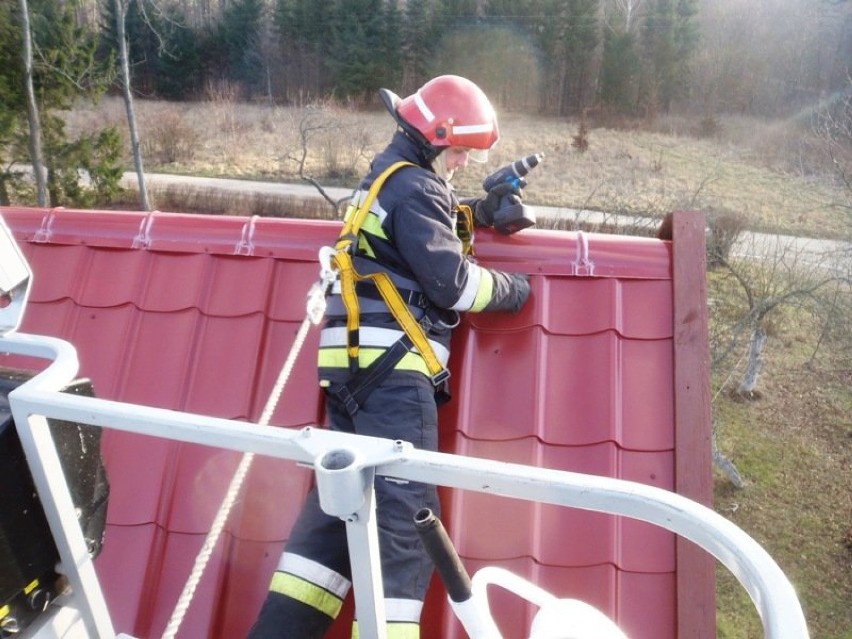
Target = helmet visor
(478,155)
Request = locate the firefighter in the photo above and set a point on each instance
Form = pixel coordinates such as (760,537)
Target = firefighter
(389,383)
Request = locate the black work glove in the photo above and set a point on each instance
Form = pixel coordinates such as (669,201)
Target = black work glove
(511,291)
(485,207)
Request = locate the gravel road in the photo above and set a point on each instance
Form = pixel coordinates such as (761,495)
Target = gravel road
(830,254)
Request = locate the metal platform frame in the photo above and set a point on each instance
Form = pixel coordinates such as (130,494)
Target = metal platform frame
(345,467)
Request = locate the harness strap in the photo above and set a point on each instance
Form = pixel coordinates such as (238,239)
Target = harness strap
(354,392)
(410,297)
(349,278)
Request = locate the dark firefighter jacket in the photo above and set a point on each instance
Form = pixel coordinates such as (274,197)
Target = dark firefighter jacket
(409,233)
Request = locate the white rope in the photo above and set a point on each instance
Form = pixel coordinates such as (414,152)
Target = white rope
(236,482)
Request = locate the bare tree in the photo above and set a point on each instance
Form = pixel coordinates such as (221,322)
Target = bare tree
(771,273)
(36,154)
(128,102)
(318,126)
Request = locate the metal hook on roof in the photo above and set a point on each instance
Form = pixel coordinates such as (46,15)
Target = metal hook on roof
(583,265)
(143,237)
(46,230)
(245,246)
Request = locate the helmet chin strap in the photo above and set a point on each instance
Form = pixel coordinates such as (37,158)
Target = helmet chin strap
(428,152)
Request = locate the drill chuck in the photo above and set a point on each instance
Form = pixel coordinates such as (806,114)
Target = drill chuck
(513,171)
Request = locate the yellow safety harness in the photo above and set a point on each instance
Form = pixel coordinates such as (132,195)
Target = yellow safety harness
(349,277)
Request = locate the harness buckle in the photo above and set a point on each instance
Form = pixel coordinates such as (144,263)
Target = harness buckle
(440,378)
(316,295)
(327,272)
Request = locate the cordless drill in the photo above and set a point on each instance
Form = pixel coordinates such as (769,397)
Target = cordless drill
(512,217)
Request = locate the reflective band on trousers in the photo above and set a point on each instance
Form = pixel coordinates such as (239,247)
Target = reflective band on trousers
(314,572)
(398,630)
(311,583)
(310,594)
(403,619)
(376,337)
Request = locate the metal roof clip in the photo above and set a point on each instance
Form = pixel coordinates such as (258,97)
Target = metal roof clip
(583,265)
(46,230)
(245,246)
(143,237)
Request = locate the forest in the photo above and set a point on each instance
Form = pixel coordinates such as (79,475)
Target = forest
(613,61)
(558,57)
(635,57)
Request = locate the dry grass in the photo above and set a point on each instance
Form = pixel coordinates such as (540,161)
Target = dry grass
(767,172)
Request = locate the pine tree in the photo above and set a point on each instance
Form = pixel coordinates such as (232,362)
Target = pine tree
(422,28)
(64,70)
(619,71)
(567,33)
(12,105)
(356,61)
(669,37)
(303,28)
(235,44)
(164,54)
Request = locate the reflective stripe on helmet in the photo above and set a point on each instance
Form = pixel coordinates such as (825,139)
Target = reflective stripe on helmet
(471,129)
(424,108)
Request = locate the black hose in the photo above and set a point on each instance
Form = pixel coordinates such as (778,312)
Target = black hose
(443,554)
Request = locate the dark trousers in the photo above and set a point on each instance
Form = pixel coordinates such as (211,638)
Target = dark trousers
(396,411)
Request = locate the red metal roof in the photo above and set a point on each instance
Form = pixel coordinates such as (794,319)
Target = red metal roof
(197,313)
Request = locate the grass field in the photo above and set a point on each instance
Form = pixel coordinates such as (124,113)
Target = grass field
(792,443)
(773,175)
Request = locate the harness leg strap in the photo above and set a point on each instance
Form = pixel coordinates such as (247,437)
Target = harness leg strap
(354,392)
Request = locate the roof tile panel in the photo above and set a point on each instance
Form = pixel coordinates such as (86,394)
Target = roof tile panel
(158,358)
(250,567)
(179,551)
(557,535)
(647,604)
(237,286)
(200,316)
(646,394)
(128,457)
(579,306)
(127,551)
(225,358)
(288,292)
(200,475)
(270,501)
(581,254)
(95,332)
(173,281)
(301,402)
(65,275)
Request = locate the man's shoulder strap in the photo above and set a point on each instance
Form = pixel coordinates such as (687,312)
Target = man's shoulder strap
(353,223)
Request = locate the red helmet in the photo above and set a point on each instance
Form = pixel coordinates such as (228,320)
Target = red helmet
(448,111)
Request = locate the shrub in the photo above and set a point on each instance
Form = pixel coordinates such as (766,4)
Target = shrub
(169,138)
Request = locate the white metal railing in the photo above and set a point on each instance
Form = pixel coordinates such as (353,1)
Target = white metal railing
(345,467)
